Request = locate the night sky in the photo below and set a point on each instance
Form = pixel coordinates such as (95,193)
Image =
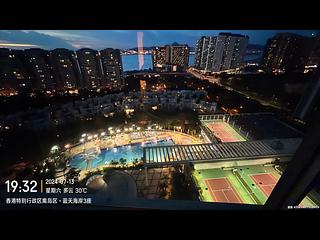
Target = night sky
(99,39)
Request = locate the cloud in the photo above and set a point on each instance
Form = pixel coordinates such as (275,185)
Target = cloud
(34,38)
(86,38)
(18,45)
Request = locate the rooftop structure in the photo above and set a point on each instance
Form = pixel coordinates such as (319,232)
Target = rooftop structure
(215,152)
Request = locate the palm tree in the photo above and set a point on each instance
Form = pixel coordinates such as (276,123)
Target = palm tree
(114,162)
(123,161)
(73,174)
(135,161)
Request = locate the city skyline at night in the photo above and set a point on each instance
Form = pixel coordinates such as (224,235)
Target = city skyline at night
(197,117)
(122,39)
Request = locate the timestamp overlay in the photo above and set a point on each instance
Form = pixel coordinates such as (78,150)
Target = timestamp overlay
(44,192)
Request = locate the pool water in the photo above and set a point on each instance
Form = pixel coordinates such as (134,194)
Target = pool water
(128,152)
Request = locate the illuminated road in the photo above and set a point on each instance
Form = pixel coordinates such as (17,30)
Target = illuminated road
(211,79)
(216,80)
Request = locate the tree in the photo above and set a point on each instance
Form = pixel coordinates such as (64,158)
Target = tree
(59,159)
(114,162)
(123,161)
(135,161)
(73,174)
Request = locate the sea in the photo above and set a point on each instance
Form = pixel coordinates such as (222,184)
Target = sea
(130,62)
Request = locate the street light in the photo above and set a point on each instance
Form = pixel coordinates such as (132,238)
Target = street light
(138,128)
(95,136)
(82,140)
(103,133)
(89,137)
(118,130)
(149,128)
(67,145)
(83,135)
(130,129)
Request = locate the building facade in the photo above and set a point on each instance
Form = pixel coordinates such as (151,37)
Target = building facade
(13,75)
(286,52)
(204,53)
(112,67)
(170,58)
(90,68)
(219,53)
(177,57)
(66,67)
(40,68)
(159,59)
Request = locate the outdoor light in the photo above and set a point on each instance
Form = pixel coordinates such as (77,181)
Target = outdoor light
(103,133)
(54,148)
(89,137)
(109,128)
(67,145)
(138,128)
(82,140)
(118,130)
(130,129)
(149,128)
(111,132)
(83,135)
(126,129)
(95,136)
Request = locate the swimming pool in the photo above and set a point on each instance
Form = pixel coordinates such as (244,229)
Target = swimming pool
(129,152)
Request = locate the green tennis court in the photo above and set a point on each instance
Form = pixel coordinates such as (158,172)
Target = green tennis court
(247,184)
(202,176)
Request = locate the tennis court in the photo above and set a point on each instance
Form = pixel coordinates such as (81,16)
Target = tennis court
(251,184)
(265,181)
(221,190)
(224,132)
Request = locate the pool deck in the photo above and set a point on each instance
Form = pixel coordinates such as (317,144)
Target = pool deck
(137,137)
(123,139)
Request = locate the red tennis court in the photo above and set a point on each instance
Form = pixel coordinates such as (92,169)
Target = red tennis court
(224,132)
(265,181)
(221,190)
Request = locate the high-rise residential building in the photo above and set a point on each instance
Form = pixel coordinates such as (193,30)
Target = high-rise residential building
(286,52)
(204,53)
(177,57)
(90,67)
(159,59)
(219,53)
(40,68)
(13,75)
(112,67)
(66,67)
(170,58)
